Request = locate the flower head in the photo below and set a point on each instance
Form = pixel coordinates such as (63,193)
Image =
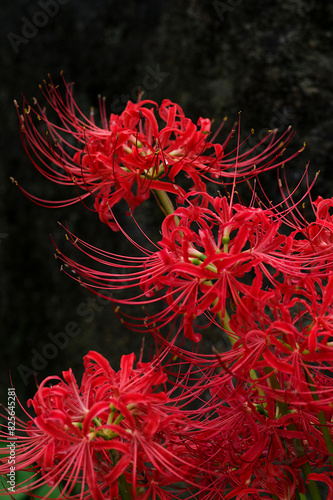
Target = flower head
(285,334)
(199,264)
(108,434)
(147,148)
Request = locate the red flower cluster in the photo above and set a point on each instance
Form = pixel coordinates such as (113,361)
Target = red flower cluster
(290,329)
(274,396)
(132,156)
(252,422)
(200,263)
(112,436)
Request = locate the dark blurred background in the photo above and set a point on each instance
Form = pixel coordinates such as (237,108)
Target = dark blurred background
(272,60)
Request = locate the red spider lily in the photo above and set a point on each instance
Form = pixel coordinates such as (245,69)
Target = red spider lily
(285,337)
(239,445)
(317,237)
(131,155)
(270,412)
(312,239)
(249,448)
(205,253)
(117,425)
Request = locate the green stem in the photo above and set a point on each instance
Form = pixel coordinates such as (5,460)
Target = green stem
(166,203)
(124,487)
(312,486)
(301,496)
(274,383)
(226,326)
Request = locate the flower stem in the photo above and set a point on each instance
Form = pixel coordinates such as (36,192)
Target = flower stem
(124,488)
(226,326)
(301,496)
(164,202)
(312,485)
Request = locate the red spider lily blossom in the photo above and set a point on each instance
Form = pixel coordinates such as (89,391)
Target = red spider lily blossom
(317,237)
(249,448)
(201,261)
(312,239)
(239,446)
(270,414)
(285,338)
(112,431)
(131,155)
